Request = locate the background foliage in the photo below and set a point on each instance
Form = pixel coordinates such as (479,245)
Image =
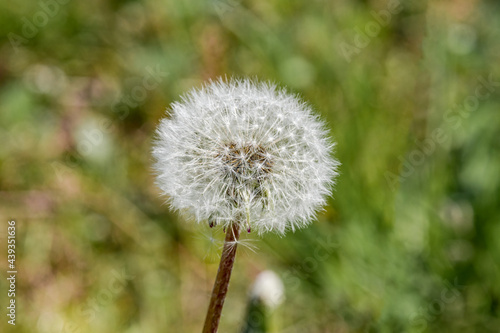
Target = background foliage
(410,241)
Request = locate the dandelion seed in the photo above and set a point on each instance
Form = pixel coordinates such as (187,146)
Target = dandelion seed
(210,245)
(247,243)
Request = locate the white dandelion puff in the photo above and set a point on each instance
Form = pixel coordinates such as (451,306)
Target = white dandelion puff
(245,152)
(244,155)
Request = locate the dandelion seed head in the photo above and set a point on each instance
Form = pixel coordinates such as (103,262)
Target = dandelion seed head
(246,152)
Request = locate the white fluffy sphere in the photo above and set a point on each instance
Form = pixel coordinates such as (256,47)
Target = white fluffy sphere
(246,152)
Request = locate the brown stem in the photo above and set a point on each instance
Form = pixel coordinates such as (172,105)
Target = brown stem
(222,280)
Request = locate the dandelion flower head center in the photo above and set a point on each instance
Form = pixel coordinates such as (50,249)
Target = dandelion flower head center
(245,162)
(246,167)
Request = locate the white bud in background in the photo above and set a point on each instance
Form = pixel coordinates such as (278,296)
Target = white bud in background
(269,289)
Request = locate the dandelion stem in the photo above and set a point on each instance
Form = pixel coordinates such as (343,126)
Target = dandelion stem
(222,280)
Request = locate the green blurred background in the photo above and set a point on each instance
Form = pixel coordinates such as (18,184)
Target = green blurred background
(410,241)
